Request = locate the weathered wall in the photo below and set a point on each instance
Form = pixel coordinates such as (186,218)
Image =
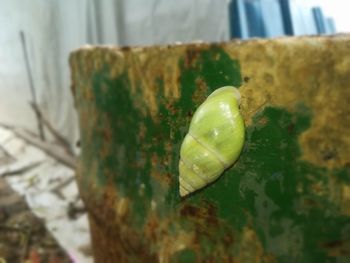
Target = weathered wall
(287,199)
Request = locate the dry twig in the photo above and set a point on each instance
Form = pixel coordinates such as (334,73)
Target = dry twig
(62,141)
(18,169)
(53,151)
(31,84)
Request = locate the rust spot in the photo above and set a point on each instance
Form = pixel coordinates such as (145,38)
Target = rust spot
(189,210)
(309,202)
(199,95)
(191,57)
(157,170)
(168,178)
(246,79)
(151,228)
(291,128)
(206,213)
(125,48)
(317,188)
(333,244)
(107,134)
(228,240)
(171,108)
(337,247)
(167,244)
(328,155)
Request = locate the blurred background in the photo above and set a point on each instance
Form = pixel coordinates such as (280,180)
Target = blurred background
(52,29)
(37,36)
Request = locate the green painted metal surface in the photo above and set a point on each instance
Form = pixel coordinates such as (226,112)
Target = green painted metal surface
(271,206)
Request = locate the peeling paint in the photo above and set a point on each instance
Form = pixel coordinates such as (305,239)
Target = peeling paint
(286,73)
(287,197)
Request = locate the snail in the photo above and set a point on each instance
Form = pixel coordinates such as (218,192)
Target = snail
(214,140)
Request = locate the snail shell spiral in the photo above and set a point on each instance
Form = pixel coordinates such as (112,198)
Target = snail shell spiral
(213,142)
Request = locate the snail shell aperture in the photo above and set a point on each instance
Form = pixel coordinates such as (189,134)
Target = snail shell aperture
(214,140)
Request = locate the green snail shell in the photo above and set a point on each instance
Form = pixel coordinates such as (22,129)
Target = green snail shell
(213,142)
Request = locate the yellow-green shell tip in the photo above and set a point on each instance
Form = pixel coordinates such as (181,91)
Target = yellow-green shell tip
(183,191)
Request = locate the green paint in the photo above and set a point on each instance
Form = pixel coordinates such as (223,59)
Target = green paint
(185,255)
(269,189)
(208,65)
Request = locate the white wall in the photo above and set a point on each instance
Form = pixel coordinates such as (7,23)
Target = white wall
(50,36)
(302,18)
(54,28)
(338,9)
(271,12)
(14,88)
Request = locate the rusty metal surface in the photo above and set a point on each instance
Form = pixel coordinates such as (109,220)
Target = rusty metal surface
(287,198)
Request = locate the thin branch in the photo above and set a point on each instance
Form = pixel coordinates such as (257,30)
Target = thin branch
(7,154)
(31,83)
(53,151)
(64,143)
(59,187)
(18,170)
